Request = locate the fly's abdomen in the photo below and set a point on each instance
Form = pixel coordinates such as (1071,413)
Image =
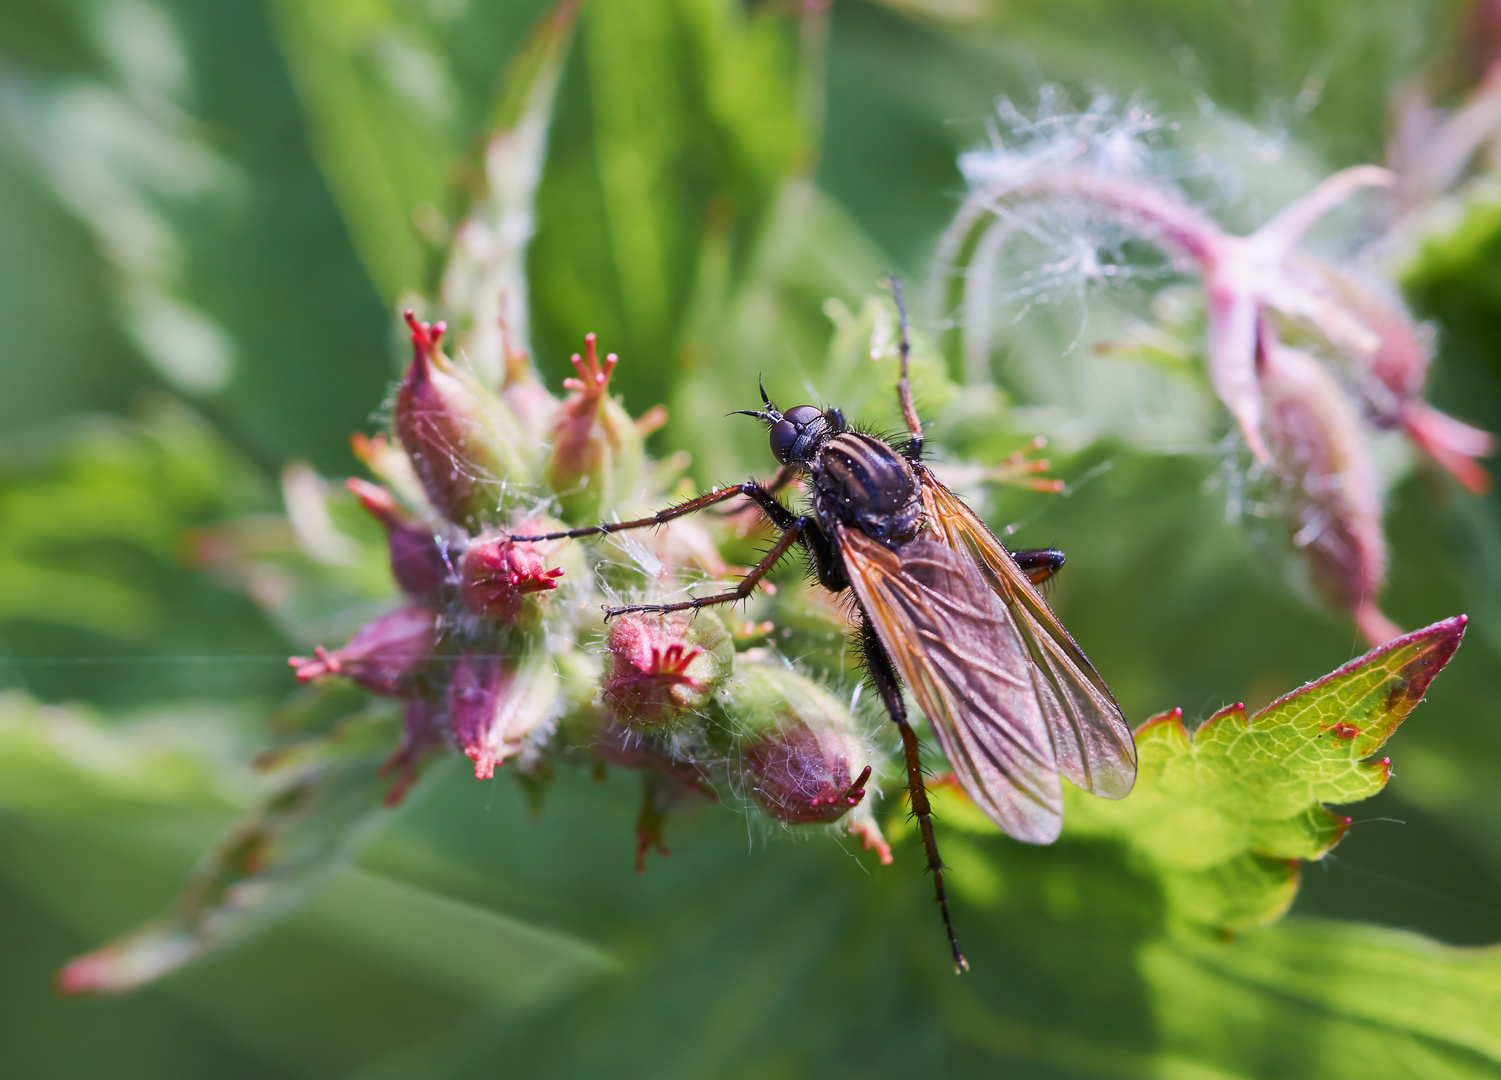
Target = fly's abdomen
(864,483)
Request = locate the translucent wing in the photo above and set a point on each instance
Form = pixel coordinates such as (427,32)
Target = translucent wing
(958,649)
(1091,740)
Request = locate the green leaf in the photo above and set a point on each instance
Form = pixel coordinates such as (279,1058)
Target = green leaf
(671,147)
(379,100)
(1221,816)
(327,793)
(318,573)
(1414,990)
(95,524)
(65,763)
(1224,813)
(503,962)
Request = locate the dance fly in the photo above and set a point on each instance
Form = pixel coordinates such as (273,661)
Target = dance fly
(943,607)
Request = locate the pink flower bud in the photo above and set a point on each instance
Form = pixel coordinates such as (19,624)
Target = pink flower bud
(534,405)
(384,657)
(455,432)
(391,465)
(1452,443)
(597,450)
(803,776)
(1396,359)
(800,755)
(1321,459)
(496,704)
(422,730)
(799,752)
(504,580)
(619,745)
(664,667)
(416,561)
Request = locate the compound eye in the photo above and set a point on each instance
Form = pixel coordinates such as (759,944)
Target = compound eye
(783,439)
(802,415)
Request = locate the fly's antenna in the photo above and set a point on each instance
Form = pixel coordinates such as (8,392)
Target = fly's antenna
(904,385)
(771,414)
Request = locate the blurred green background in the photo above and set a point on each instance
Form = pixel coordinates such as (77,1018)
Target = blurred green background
(208,212)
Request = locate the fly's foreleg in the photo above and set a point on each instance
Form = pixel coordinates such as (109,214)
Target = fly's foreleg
(751,489)
(883,675)
(776,485)
(790,536)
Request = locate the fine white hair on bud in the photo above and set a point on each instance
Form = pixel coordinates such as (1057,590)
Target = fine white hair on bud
(1101,137)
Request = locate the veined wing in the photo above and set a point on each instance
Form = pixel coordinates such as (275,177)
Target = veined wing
(957,648)
(1091,740)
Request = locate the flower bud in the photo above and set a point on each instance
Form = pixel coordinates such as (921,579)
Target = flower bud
(462,442)
(506,581)
(597,451)
(421,730)
(1320,457)
(533,404)
(391,465)
(664,667)
(1395,357)
(619,745)
(384,657)
(799,748)
(1452,443)
(417,563)
(497,704)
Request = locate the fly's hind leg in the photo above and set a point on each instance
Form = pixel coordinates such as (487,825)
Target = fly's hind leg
(883,675)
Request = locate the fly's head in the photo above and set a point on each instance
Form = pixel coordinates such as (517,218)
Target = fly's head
(797,434)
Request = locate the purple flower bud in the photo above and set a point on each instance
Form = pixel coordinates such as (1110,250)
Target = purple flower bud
(1320,455)
(1452,443)
(497,703)
(534,405)
(597,449)
(803,775)
(504,580)
(422,730)
(799,750)
(416,561)
(459,438)
(1395,356)
(384,657)
(664,667)
(619,745)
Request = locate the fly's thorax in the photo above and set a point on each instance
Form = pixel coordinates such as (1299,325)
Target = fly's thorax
(865,484)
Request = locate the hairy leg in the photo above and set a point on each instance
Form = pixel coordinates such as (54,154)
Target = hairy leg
(780,516)
(884,676)
(790,536)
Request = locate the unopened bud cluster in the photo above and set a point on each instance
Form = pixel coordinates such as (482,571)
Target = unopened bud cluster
(500,653)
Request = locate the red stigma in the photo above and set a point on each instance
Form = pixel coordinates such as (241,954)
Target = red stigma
(593,378)
(669,663)
(425,336)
